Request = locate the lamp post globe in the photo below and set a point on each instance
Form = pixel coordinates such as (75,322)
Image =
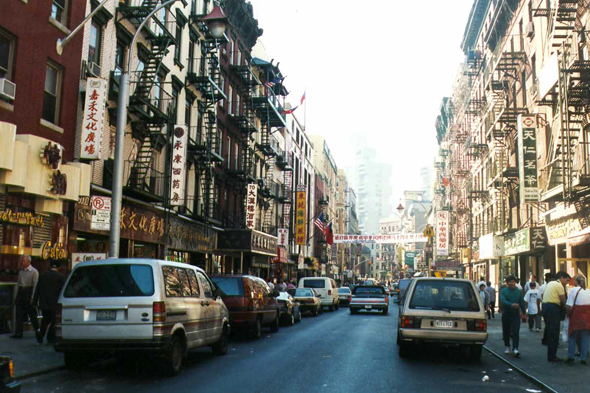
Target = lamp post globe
(216,22)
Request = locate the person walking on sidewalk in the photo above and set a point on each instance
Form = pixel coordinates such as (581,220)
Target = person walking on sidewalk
(548,278)
(512,302)
(532,301)
(553,299)
(527,286)
(27,281)
(485,297)
(492,292)
(46,295)
(578,308)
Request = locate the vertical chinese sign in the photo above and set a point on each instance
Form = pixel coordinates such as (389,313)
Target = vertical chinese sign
(287,206)
(300,219)
(178,175)
(527,159)
(93,121)
(442,233)
(252,194)
(283,237)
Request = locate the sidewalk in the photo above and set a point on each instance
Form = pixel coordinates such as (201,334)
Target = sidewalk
(533,359)
(30,357)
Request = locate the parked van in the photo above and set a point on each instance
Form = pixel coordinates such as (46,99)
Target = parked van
(325,287)
(139,306)
(250,302)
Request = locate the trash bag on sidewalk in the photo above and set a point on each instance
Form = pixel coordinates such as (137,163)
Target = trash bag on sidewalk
(564,335)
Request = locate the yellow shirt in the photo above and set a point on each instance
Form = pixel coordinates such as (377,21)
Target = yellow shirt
(552,292)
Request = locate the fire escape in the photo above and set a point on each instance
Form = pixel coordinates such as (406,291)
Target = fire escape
(150,104)
(205,150)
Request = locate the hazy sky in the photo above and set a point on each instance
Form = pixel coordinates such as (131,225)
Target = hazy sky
(373,70)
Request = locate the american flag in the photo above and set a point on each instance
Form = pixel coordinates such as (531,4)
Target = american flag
(319,222)
(273,82)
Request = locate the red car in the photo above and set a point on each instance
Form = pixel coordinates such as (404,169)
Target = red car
(250,302)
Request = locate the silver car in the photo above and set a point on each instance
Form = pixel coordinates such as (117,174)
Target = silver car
(444,311)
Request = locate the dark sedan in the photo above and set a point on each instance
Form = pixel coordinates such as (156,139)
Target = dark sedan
(289,308)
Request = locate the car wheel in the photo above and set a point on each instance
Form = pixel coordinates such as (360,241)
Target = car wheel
(220,347)
(337,306)
(317,312)
(475,352)
(174,356)
(274,327)
(404,349)
(385,310)
(299,316)
(292,320)
(257,329)
(331,308)
(352,311)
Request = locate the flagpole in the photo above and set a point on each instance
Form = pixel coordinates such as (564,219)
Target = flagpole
(305,111)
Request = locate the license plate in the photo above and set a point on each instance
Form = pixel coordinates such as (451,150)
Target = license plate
(368,307)
(106,315)
(443,324)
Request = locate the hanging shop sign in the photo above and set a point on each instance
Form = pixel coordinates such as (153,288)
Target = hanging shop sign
(442,233)
(491,247)
(101,213)
(281,256)
(283,237)
(300,262)
(53,251)
(190,236)
(525,240)
(93,121)
(300,218)
(21,218)
(178,174)
(251,196)
(246,240)
(381,239)
(564,223)
(78,257)
(527,159)
(51,155)
(448,265)
(409,258)
(287,206)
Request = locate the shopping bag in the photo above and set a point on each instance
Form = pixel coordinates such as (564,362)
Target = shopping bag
(564,335)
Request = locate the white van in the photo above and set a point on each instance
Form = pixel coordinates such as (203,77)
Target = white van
(139,306)
(325,287)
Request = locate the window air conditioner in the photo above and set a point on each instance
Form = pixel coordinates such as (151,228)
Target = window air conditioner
(7,89)
(93,69)
(530,30)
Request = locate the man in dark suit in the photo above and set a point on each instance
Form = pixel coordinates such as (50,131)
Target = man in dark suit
(47,294)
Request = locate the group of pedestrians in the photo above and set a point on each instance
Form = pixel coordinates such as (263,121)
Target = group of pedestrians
(37,292)
(550,301)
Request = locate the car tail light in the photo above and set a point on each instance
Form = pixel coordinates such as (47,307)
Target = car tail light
(11,369)
(407,322)
(481,325)
(329,292)
(58,313)
(159,311)
(350,298)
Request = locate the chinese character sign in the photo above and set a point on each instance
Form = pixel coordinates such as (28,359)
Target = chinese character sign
(251,196)
(287,206)
(178,174)
(300,218)
(93,121)
(527,159)
(284,237)
(397,238)
(442,233)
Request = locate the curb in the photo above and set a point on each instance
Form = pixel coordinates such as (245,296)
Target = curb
(523,373)
(37,373)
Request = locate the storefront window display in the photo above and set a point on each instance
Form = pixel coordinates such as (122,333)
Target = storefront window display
(507,268)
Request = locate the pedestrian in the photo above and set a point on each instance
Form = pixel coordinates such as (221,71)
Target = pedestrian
(527,286)
(512,301)
(290,285)
(553,301)
(485,297)
(46,295)
(518,283)
(281,286)
(492,292)
(481,281)
(28,277)
(532,302)
(270,285)
(578,308)
(548,278)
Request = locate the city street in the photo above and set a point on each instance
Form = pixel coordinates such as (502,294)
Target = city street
(335,352)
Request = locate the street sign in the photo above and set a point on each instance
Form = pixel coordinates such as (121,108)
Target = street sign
(101,213)
(428,232)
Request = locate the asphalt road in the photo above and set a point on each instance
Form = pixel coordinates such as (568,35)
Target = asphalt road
(335,352)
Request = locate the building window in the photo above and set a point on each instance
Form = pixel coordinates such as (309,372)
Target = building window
(59,10)
(236,156)
(95,42)
(191,56)
(231,53)
(178,46)
(229,101)
(119,58)
(51,94)
(187,114)
(228,159)
(7,45)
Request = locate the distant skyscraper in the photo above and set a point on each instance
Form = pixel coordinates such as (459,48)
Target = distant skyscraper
(373,185)
(426,176)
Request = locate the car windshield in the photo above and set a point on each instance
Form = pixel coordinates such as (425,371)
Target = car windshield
(314,283)
(343,290)
(229,286)
(111,281)
(303,292)
(441,295)
(369,290)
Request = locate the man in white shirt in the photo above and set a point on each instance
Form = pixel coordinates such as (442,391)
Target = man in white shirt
(28,277)
(532,301)
(527,286)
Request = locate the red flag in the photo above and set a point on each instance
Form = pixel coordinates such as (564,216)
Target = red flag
(329,234)
(302,98)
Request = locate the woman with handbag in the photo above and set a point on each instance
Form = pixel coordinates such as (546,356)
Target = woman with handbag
(578,308)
